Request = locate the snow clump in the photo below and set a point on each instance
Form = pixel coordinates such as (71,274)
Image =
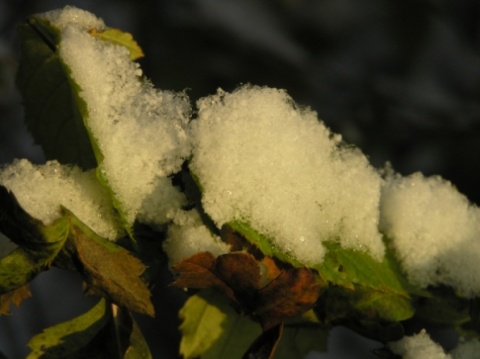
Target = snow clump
(70,15)
(435,232)
(41,190)
(262,160)
(418,346)
(139,131)
(188,236)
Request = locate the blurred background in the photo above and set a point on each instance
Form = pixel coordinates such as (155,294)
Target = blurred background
(398,78)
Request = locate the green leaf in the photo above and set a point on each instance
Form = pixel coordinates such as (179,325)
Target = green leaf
(71,339)
(343,266)
(109,270)
(138,348)
(379,287)
(39,244)
(27,231)
(17,269)
(54,111)
(263,243)
(211,329)
(105,331)
(370,313)
(118,37)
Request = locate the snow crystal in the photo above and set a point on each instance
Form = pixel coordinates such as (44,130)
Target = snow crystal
(139,130)
(435,231)
(188,236)
(42,189)
(72,15)
(260,159)
(418,346)
(466,350)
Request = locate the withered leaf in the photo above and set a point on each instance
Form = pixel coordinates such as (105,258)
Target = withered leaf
(289,292)
(111,271)
(269,271)
(293,292)
(265,346)
(241,273)
(14,297)
(236,275)
(198,272)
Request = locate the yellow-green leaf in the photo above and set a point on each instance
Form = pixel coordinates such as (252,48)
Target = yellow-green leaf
(65,340)
(17,269)
(39,244)
(212,329)
(118,37)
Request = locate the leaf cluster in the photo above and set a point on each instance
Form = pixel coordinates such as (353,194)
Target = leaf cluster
(55,115)
(253,302)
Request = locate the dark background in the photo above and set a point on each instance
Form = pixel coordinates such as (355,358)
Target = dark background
(398,78)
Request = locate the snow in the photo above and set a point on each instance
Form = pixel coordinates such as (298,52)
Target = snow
(418,346)
(188,236)
(140,131)
(71,15)
(435,231)
(42,189)
(466,349)
(261,159)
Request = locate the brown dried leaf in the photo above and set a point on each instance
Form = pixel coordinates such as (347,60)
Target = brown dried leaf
(270,270)
(198,272)
(240,271)
(292,293)
(112,272)
(237,275)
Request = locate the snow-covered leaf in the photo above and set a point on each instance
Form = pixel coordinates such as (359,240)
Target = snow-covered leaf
(39,244)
